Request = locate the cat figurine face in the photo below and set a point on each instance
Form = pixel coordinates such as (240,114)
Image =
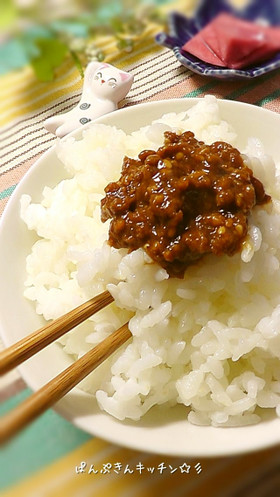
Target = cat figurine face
(110,83)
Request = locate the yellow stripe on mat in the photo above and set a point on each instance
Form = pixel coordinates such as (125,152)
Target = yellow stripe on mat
(10,82)
(40,97)
(15,78)
(15,98)
(41,102)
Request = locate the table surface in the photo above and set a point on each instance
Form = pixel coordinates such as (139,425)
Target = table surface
(46,459)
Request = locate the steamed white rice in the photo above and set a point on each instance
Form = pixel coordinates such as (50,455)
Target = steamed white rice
(210,341)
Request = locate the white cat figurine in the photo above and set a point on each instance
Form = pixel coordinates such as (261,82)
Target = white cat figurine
(104,86)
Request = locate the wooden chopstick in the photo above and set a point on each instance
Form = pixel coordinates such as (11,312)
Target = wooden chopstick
(53,391)
(36,341)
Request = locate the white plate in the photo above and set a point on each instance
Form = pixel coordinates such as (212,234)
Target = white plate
(161,431)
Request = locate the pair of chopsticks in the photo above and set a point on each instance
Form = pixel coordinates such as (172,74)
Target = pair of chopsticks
(59,386)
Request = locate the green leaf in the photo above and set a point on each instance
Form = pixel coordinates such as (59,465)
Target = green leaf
(51,54)
(77,62)
(117,24)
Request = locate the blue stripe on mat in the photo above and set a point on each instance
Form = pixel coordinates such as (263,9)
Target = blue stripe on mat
(48,438)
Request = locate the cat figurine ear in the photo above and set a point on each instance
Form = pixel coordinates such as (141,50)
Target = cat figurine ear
(104,87)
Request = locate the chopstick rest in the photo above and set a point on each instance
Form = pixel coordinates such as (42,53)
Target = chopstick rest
(104,87)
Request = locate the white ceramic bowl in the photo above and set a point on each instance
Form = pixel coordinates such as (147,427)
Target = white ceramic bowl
(161,431)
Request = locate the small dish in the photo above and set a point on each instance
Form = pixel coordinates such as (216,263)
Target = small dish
(161,430)
(182,29)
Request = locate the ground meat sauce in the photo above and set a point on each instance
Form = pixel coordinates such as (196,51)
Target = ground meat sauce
(186,200)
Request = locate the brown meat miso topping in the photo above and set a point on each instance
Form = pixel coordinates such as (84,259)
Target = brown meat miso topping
(181,202)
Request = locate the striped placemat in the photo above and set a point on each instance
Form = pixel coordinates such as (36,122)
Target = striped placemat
(47,458)
(52,458)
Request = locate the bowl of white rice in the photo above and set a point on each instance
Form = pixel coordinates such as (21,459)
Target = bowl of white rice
(201,374)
